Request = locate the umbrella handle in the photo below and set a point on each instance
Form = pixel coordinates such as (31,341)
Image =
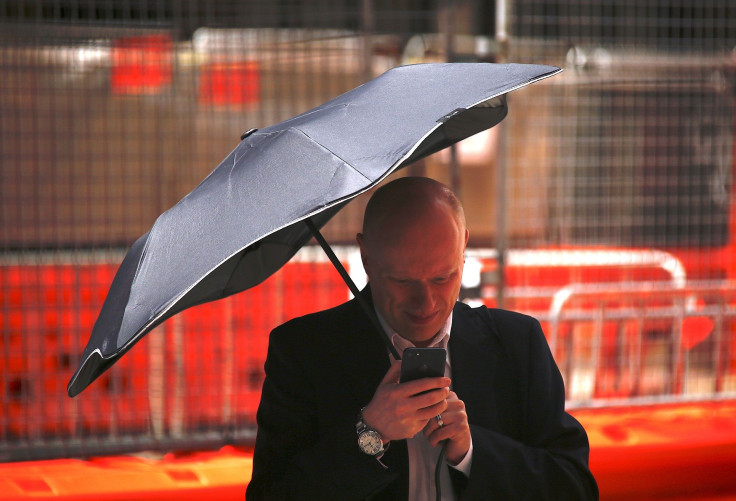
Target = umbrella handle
(367,307)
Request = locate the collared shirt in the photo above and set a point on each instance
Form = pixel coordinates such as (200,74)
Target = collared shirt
(422,456)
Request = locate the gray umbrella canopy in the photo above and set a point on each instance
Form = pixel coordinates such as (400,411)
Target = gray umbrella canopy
(247,218)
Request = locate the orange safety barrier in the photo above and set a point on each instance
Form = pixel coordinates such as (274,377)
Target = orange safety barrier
(230,84)
(236,359)
(684,451)
(665,451)
(50,310)
(214,374)
(202,475)
(141,64)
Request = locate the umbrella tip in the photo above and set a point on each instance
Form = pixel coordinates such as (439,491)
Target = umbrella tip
(247,133)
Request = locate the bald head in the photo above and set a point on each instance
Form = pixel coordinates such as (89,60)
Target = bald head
(407,202)
(412,247)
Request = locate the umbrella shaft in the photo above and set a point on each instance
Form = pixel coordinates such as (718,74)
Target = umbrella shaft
(351,285)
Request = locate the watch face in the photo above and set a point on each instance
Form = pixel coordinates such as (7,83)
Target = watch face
(370,442)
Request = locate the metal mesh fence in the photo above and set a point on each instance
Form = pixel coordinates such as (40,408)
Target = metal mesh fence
(620,192)
(607,192)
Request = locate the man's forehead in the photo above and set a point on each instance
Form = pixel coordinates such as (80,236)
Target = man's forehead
(420,274)
(430,260)
(421,223)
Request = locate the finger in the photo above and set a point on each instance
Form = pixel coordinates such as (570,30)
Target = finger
(393,373)
(436,434)
(455,405)
(420,408)
(427,405)
(454,413)
(450,430)
(433,424)
(455,428)
(428,414)
(425,384)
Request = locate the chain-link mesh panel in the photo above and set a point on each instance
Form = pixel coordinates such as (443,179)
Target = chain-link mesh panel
(620,184)
(608,190)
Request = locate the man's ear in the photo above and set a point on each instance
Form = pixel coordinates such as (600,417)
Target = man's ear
(467,236)
(359,239)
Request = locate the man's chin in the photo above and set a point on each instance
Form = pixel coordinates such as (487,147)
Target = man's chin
(422,337)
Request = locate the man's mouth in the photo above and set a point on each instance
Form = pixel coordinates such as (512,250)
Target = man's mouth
(421,319)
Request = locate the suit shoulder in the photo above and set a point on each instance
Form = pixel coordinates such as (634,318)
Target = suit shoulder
(504,326)
(497,317)
(313,325)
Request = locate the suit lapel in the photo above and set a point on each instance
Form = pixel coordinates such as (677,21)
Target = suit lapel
(365,359)
(475,365)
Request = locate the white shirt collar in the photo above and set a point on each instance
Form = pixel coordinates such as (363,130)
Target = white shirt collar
(440,340)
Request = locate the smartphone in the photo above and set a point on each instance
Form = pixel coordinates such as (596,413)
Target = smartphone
(422,362)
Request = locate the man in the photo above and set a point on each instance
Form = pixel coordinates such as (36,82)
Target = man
(330,380)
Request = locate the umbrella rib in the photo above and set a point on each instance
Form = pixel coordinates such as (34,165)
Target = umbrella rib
(351,285)
(332,153)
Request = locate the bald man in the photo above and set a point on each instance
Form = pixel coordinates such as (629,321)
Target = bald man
(335,423)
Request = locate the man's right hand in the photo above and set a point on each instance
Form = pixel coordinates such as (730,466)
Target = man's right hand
(400,410)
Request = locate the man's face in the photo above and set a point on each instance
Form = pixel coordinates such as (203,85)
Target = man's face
(415,273)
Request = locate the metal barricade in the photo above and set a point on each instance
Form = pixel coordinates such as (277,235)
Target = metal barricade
(605,312)
(699,316)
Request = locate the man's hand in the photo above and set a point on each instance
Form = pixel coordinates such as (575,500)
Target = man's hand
(397,411)
(455,429)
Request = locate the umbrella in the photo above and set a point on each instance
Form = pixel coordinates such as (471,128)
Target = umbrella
(280,184)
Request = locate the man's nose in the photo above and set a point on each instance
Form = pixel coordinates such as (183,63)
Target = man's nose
(421,296)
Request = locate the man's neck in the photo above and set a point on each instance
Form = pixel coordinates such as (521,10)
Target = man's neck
(433,341)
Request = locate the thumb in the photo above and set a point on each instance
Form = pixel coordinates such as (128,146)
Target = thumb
(393,373)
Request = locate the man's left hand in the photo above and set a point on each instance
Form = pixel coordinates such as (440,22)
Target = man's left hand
(455,429)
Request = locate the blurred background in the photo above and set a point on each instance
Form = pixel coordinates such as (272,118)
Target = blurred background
(603,204)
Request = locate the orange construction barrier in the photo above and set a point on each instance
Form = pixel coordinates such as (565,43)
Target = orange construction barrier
(683,451)
(222,475)
(664,451)
(141,64)
(230,84)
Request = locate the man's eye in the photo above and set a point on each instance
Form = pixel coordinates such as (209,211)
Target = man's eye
(440,280)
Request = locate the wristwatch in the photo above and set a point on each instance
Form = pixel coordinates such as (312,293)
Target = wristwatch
(369,440)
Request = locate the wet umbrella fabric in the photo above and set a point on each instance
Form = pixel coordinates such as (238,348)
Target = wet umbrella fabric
(246,219)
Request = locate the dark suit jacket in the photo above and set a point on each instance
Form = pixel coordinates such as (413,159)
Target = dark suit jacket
(321,369)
